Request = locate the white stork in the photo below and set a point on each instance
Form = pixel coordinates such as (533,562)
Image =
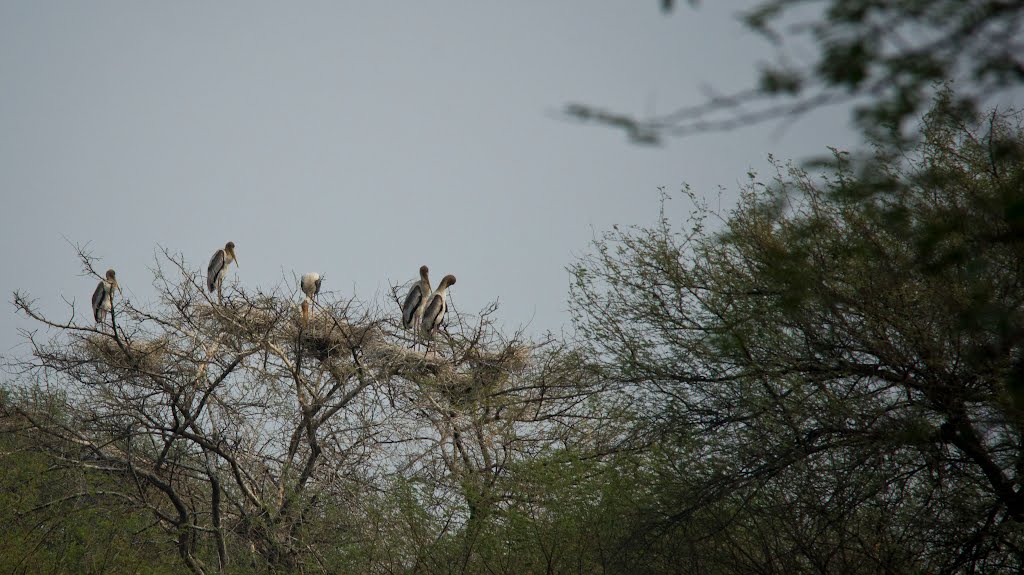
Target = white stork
(437,305)
(416,301)
(310,285)
(103,297)
(218,268)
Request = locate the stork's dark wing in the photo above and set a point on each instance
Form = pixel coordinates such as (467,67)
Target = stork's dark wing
(97,301)
(435,310)
(412,301)
(216,265)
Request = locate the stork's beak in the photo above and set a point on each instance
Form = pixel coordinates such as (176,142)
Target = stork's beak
(236,259)
(118,286)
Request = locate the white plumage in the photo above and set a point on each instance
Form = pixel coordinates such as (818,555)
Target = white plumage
(310,284)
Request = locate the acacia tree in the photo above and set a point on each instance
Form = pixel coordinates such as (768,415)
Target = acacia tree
(834,375)
(254,438)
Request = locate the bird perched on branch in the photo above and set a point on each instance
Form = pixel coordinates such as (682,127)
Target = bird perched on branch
(437,306)
(310,284)
(218,268)
(416,301)
(103,297)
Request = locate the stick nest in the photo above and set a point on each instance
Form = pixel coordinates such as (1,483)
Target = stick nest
(137,354)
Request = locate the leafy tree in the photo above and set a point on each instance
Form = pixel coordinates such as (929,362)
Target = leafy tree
(52,523)
(885,57)
(833,375)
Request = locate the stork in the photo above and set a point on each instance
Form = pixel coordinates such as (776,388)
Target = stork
(218,268)
(437,305)
(416,301)
(103,297)
(310,285)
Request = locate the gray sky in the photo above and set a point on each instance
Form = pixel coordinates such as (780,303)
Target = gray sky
(359,140)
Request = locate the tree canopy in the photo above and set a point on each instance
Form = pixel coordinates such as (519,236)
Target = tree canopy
(828,378)
(251,439)
(884,57)
(836,369)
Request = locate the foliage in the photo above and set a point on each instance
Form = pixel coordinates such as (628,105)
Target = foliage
(47,529)
(827,379)
(840,361)
(885,57)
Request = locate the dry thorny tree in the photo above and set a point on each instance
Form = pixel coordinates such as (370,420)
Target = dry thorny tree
(237,426)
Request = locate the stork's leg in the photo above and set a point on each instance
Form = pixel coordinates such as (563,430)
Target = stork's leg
(427,340)
(423,338)
(415,332)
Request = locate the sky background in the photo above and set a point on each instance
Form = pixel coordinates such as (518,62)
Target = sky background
(359,140)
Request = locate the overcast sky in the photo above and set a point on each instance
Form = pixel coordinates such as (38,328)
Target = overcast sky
(359,140)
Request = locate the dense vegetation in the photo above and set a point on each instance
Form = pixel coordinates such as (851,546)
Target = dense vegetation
(826,379)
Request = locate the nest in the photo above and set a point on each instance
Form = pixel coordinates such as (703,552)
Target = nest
(259,316)
(481,374)
(139,354)
(325,337)
(411,364)
(515,357)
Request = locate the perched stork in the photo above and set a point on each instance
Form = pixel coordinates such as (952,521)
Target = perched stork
(437,305)
(219,268)
(310,285)
(416,301)
(103,297)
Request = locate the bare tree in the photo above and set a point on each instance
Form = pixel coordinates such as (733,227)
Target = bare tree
(239,425)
